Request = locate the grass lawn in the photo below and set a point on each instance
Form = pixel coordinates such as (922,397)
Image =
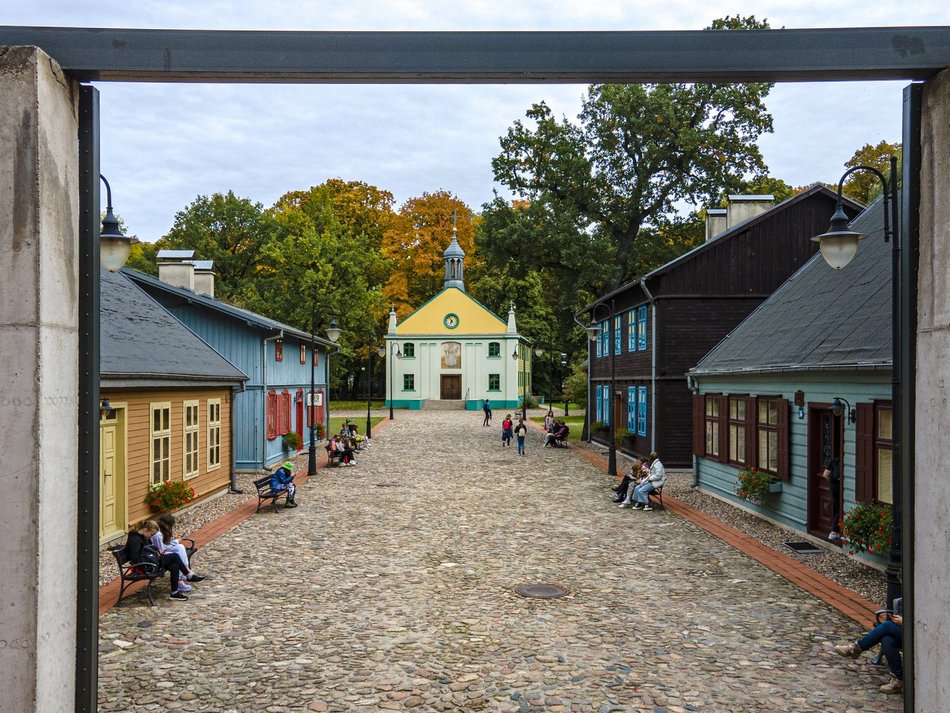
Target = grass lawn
(336,422)
(575,423)
(355,405)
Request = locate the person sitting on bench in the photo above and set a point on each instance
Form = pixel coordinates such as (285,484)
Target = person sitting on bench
(890,635)
(283,479)
(655,480)
(135,548)
(638,472)
(165,542)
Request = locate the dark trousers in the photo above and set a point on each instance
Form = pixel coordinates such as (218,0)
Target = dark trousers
(891,638)
(622,490)
(172,565)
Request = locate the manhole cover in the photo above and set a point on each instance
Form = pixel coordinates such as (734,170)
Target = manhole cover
(541,591)
(805,548)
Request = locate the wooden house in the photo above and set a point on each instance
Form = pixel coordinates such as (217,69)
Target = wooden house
(166,398)
(275,356)
(764,396)
(665,322)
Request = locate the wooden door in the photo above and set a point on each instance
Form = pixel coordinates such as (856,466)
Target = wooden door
(451,387)
(111,475)
(824,442)
(298,398)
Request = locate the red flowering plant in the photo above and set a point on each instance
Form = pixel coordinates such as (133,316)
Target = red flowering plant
(753,485)
(170,495)
(868,528)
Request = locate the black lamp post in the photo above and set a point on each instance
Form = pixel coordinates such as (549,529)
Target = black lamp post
(333,333)
(838,246)
(593,331)
(114,247)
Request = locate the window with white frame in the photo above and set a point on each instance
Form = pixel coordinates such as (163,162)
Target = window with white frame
(618,323)
(214,433)
(631,330)
(632,409)
(642,411)
(604,338)
(160,442)
(642,327)
(190,439)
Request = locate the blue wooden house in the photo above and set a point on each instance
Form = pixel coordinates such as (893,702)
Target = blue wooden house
(276,358)
(765,396)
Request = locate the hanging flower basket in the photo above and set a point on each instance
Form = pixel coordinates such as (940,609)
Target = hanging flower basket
(753,485)
(292,441)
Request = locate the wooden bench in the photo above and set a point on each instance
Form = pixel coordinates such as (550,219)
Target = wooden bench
(265,493)
(132,572)
(656,497)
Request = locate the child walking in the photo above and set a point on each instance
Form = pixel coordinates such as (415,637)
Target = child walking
(520,432)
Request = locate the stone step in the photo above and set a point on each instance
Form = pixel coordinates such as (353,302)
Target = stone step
(443,405)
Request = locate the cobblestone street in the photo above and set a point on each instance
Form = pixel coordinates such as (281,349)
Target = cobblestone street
(392,587)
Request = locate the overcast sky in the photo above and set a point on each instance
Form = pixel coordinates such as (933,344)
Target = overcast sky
(163,145)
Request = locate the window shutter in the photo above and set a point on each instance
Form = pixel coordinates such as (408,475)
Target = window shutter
(270,415)
(699,425)
(864,453)
(783,439)
(751,451)
(724,428)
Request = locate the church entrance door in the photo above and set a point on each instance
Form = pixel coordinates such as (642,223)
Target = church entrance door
(451,387)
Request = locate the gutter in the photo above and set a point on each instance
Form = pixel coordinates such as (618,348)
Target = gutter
(795,368)
(234,486)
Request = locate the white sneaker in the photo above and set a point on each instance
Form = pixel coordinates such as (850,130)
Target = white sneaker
(647,507)
(625,505)
(183,587)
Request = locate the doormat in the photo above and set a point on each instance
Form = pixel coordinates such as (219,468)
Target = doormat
(805,548)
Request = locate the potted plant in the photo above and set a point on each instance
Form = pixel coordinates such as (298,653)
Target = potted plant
(292,441)
(868,528)
(622,435)
(170,495)
(753,485)
(321,430)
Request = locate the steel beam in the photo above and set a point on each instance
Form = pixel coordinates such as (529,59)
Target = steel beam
(91,54)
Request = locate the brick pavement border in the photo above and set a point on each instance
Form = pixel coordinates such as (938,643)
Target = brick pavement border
(109,592)
(849,603)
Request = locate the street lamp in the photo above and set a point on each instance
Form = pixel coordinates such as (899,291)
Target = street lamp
(333,334)
(593,331)
(838,246)
(114,247)
(392,368)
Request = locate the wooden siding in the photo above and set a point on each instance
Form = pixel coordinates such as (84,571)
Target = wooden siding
(138,418)
(790,507)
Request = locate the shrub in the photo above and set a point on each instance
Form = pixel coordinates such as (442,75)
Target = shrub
(321,430)
(868,528)
(170,495)
(621,434)
(753,485)
(292,441)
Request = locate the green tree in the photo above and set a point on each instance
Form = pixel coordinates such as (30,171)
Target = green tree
(229,230)
(864,186)
(143,257)
(636,151)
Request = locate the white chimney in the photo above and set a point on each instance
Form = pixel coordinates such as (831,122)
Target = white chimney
(716,222)
(204,277)
(744,207)
(175,268)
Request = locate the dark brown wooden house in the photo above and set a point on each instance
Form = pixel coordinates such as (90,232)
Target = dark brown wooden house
(664,323)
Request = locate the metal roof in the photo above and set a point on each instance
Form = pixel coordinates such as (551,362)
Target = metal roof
(140,339)
(250,318)
(820,319)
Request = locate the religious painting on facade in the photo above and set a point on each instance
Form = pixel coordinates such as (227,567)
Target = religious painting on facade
(451,355)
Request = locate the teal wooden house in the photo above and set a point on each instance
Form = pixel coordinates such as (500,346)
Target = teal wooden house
(804,379)
(276,358)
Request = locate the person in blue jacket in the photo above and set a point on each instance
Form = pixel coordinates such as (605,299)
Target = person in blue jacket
(283,479)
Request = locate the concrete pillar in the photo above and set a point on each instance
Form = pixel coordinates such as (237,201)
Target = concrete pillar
(39,208)
(932,500)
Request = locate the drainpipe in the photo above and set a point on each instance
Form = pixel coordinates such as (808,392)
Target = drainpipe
(272,338)
(234,486)
(694,388)
(643,286)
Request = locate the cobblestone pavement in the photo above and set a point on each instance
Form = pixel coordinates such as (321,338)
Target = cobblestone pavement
(392,587)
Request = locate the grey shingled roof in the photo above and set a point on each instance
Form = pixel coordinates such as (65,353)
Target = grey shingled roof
(820,318)
(140,339)
(243,315)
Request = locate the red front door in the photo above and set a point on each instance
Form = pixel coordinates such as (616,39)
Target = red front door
(299,400)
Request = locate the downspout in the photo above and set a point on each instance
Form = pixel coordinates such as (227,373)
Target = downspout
(264,394)
(643,286)
(234,484)
(694,387)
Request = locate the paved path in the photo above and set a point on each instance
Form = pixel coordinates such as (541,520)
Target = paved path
(392,587)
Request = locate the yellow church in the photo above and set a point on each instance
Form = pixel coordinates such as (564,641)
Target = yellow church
(453,352)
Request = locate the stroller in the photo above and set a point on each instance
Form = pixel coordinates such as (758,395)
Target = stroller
(557,437)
